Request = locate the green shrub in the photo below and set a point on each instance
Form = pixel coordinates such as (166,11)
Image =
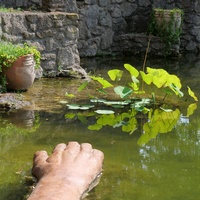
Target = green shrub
(10,52)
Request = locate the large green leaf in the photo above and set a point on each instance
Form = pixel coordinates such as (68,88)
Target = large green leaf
(102,81)
(115,74)
(133,71)
(147,78)
(175,80)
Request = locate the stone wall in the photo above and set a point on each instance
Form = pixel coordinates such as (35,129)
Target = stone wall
(114,26)
(54,33)
(27,4)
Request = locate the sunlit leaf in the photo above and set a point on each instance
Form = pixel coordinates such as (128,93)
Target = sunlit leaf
(159,81)
(104,112)
(133,71)
(191,108)
(115,74)
(191,93)
(147,78)
(102,81)
(175,80)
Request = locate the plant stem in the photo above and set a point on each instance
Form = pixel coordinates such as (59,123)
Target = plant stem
(145,58)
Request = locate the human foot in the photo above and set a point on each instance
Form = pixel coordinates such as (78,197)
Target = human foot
(74,167)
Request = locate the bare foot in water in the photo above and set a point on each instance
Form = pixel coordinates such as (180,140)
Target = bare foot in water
(66,174)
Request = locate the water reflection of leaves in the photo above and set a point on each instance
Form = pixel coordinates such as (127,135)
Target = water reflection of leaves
(156,121)
(159,121)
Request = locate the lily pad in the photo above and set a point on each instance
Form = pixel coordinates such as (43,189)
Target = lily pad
(103,112)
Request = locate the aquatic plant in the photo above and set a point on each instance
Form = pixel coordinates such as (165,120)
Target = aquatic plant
(131,97)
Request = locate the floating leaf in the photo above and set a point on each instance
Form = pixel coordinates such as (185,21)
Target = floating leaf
(191,93)
(79,107)
(133,71)
(63,102)
(103,112)
(116,102)
(115,74)
(86,107)
(97,100)
(73,106)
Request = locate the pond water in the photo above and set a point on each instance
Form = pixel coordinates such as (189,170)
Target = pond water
(167,167)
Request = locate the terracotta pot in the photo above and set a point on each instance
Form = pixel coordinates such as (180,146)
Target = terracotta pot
(22,73)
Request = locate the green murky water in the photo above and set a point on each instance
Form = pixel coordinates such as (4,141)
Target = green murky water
(165,168)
